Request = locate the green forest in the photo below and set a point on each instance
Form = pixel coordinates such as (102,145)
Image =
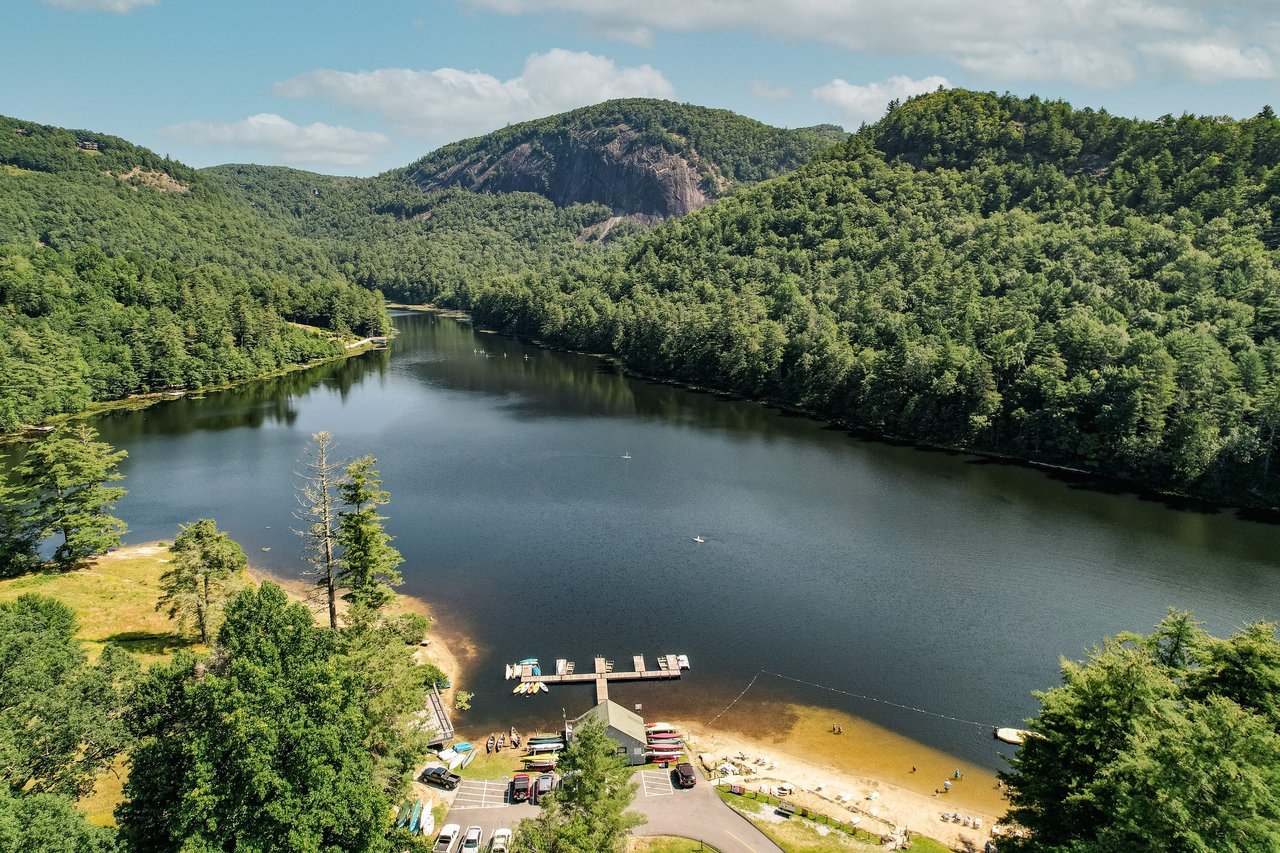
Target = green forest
(976,271)
(122,272)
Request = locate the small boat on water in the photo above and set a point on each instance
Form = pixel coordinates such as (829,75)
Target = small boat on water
(1010,735)
(542,685)
(683,661)
(561,665)
(527,662)
(626,454)
(699,539)
(510,667)
(490,744)
(519,688)
(660,727)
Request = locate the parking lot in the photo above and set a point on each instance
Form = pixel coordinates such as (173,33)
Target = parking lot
(480,794)
(656,783)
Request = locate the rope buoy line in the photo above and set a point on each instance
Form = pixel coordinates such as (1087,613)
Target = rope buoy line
(851,694)
(735,701)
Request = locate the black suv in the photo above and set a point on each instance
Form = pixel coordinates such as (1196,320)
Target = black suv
(440,776)
(685,775)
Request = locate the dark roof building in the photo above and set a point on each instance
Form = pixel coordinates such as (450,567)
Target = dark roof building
(626,728)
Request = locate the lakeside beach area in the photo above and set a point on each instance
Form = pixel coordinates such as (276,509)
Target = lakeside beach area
(886,781)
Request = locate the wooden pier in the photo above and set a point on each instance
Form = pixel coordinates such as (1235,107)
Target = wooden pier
(435,718)
(603,672)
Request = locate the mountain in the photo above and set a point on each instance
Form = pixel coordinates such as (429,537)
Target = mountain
(977,271)
(636,156)
(122,272)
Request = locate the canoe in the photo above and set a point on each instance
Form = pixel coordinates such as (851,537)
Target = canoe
(417,816)
(660,727)
(490,743)
(470,756)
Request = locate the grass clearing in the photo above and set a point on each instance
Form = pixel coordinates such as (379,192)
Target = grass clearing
(114,599)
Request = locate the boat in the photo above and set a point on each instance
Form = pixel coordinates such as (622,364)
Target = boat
(683,661)
(660,727)
(664,756)
(542,685)
(513,733)
(552,736)
(508,675)
(546,747)
(1010,735)
(626,455)
(468,758)
(535,670)
(561,665)
(519,688)
(527,662)
(402,816)
(663,735)
(462,746)
(540,762)
(670,746)
(699,539)
(427,826)
(446,755)
(490,743)
(416,818)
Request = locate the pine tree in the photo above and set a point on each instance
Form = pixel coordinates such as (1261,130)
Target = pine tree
(67,475)
(368,567)
(318,506)
(205,563)
(589,812)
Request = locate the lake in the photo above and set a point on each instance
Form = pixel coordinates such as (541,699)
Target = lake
(935,581)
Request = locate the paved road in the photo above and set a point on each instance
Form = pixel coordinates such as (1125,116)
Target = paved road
(693,813)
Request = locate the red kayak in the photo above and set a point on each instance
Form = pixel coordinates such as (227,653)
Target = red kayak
(664,735)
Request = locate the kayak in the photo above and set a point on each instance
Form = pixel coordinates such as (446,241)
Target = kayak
(660,727)
(402,816)
(417,816)
(528,662)
(664,735)
(542,685)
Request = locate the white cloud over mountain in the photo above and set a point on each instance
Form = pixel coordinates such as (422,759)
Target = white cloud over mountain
(285,141)
(857,104)
(448,103)
(1095,43)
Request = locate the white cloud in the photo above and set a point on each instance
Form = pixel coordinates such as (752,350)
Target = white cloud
(857,104)
(285,141)
(1207,62)
(769,91)
(447,104)
(1096,43)
(120,7)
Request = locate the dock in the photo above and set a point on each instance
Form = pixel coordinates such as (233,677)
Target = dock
(602,672)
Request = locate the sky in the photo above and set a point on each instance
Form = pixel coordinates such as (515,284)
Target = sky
(356,88)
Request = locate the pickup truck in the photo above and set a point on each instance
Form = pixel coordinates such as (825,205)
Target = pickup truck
(440,775)
(447,840)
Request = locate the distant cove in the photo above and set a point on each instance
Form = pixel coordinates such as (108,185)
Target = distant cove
(938,581)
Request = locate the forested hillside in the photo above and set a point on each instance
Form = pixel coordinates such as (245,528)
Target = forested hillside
(976,271)
(122,272)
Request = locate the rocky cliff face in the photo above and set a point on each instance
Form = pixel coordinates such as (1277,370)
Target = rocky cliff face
(613,166)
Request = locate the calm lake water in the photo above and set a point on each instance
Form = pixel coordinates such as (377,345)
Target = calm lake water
(938,581)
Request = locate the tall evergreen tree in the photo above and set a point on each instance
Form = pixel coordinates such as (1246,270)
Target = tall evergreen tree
(201,575)
(369,562)
(67,474)
(589,812)
(318,508)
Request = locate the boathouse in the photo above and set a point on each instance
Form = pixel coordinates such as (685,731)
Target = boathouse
(626,728)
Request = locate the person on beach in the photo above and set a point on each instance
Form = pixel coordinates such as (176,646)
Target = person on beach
(946,786)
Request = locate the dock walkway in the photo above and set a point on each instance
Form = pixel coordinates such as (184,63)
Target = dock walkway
(603,672)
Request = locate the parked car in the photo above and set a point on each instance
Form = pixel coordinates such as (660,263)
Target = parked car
(544,784)
(501,841)
(447,840)
(520,786)
(471,841)
(440,775)
(685,775)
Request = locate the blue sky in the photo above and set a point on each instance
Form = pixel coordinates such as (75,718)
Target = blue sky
(346,87)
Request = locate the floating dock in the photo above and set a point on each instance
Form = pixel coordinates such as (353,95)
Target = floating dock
(603,672)
(435,718)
